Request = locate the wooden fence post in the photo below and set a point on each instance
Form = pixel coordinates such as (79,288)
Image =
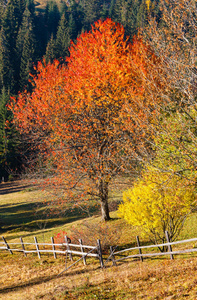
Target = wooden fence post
(169,246)
(68,248)
(23,247)
(53,247)
(100,253)
(140,250)
(37,248)
(8,247)
(112,255)
(82,250)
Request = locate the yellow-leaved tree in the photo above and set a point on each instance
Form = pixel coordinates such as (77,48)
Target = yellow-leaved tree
(158,202)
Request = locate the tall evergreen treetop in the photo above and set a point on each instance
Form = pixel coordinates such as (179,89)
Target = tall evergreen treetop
(63,38)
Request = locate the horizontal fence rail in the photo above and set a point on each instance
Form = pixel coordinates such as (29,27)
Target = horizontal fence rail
(141,255)
(65,248)
(158,245)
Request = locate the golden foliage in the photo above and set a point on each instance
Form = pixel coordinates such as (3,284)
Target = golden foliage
(158,202)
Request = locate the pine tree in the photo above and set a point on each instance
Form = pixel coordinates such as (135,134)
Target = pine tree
(3,4)
(9,30)
(76,19)
(92,9)
(31,6)
(72,27)
(132,14)
(27,57)
(111,9)
(142,15)
(3,140)
(52,18)
(9,140)
(22,6)
(6,68)
(63,38)
(124,12)
(132,23)
(50,50)
(25,49)
(41,35)
(104,11)
(11,22)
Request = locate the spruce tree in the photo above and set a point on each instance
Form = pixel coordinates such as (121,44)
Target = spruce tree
(10,160)
(112,9)
(92,10)
(41,35)
(31,6)
(104,11)
(22,6)
(76,19)
(27,57)
(63,38)
(11,22)
(3,4)
(52,18)
(3,139)
(25,49)
(133,24)
(141,20)
(9,30)
(6,67)
(50,50)
(72,27)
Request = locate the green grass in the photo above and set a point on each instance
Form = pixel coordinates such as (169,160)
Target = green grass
(22,213)
(189,229)
(27,212)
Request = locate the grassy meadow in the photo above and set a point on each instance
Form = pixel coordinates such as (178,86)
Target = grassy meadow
(22,214)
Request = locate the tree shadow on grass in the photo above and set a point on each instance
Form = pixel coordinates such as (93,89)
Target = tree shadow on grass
(12,187)
(33,216)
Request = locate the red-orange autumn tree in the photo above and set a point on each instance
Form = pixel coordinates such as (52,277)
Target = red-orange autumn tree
(89,117)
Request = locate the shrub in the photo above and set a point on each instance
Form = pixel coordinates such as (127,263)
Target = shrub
(156,203)
(59,238)
(91,232)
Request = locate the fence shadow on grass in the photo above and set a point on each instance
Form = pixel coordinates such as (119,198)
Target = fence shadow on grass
(42,279)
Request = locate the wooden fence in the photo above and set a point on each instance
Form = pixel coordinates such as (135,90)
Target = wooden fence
(85,251)
(66,248)
(116,256)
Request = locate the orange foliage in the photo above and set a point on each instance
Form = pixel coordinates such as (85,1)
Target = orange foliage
(91,112)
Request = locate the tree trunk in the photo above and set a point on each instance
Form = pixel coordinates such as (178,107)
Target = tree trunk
(103,194)
(105,211)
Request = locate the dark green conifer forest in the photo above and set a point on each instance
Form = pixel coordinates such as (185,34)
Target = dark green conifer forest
(29,34)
